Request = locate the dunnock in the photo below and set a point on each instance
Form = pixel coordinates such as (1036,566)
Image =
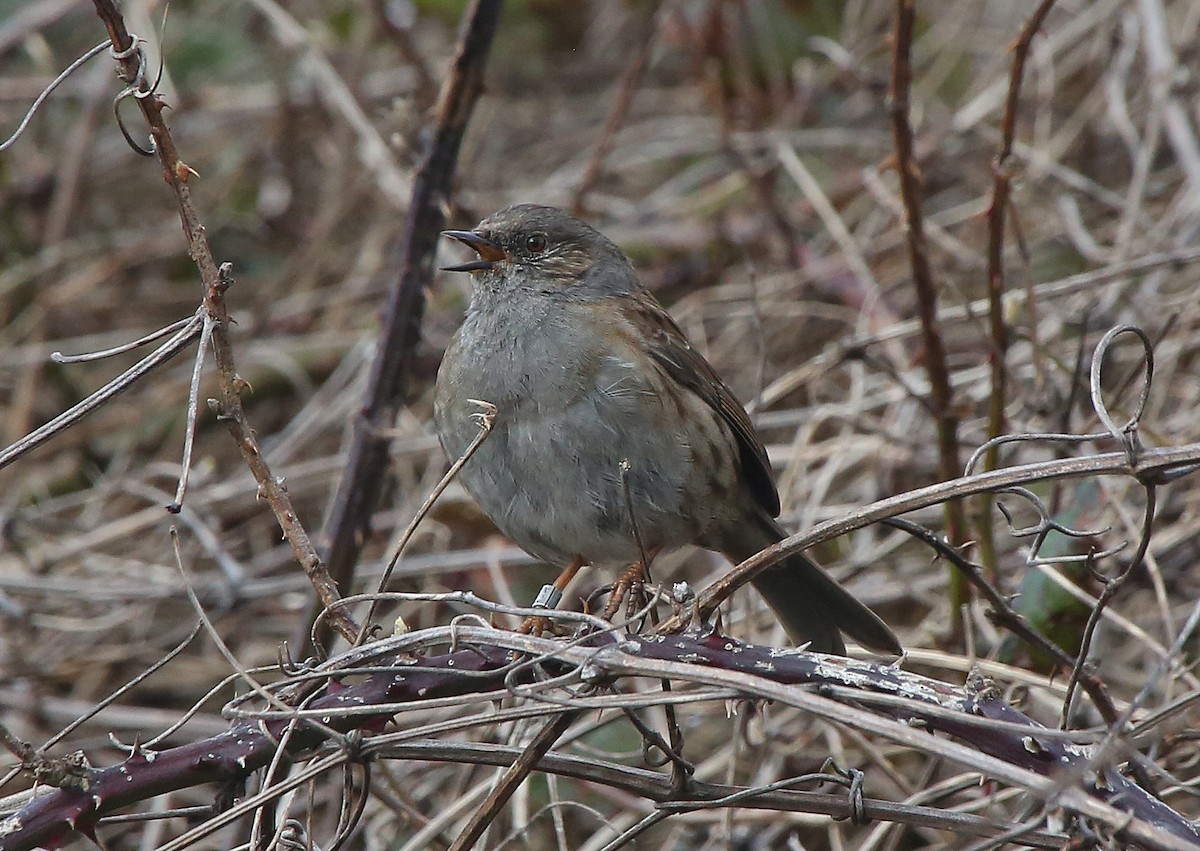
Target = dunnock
(610,428)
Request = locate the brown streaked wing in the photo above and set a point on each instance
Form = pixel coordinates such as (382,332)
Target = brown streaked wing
(671,350)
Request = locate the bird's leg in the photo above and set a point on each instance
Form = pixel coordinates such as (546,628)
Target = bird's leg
(549,596)
(639,572)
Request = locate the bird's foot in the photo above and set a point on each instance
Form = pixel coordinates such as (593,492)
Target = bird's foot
(629,581)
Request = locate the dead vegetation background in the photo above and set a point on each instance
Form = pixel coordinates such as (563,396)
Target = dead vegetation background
(742,154)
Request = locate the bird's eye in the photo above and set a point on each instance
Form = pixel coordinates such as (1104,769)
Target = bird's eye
(535,243)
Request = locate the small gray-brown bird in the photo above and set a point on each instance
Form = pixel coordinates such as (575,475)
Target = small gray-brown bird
(588,371)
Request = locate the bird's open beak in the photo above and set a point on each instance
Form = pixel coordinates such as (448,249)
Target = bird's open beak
(489,252)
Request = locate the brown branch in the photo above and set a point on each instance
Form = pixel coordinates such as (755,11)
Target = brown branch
(988,734)
(1002,183)
(216,281)
(1153,465)
(1002,172)
(245,748)
(941,394)
(358,492)
(978,716)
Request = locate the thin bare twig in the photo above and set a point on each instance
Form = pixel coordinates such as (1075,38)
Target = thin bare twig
(941,393)
(229,408)
(486,418)
(652,786)
(193,409)
(179,341)
(402,37)
(87,357)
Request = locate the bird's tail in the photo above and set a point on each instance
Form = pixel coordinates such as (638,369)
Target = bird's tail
(811,606)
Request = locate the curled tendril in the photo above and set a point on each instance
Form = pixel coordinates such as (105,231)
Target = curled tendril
(294,837)
(853,779)
(457,621)
(1127,434)
(137,88)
